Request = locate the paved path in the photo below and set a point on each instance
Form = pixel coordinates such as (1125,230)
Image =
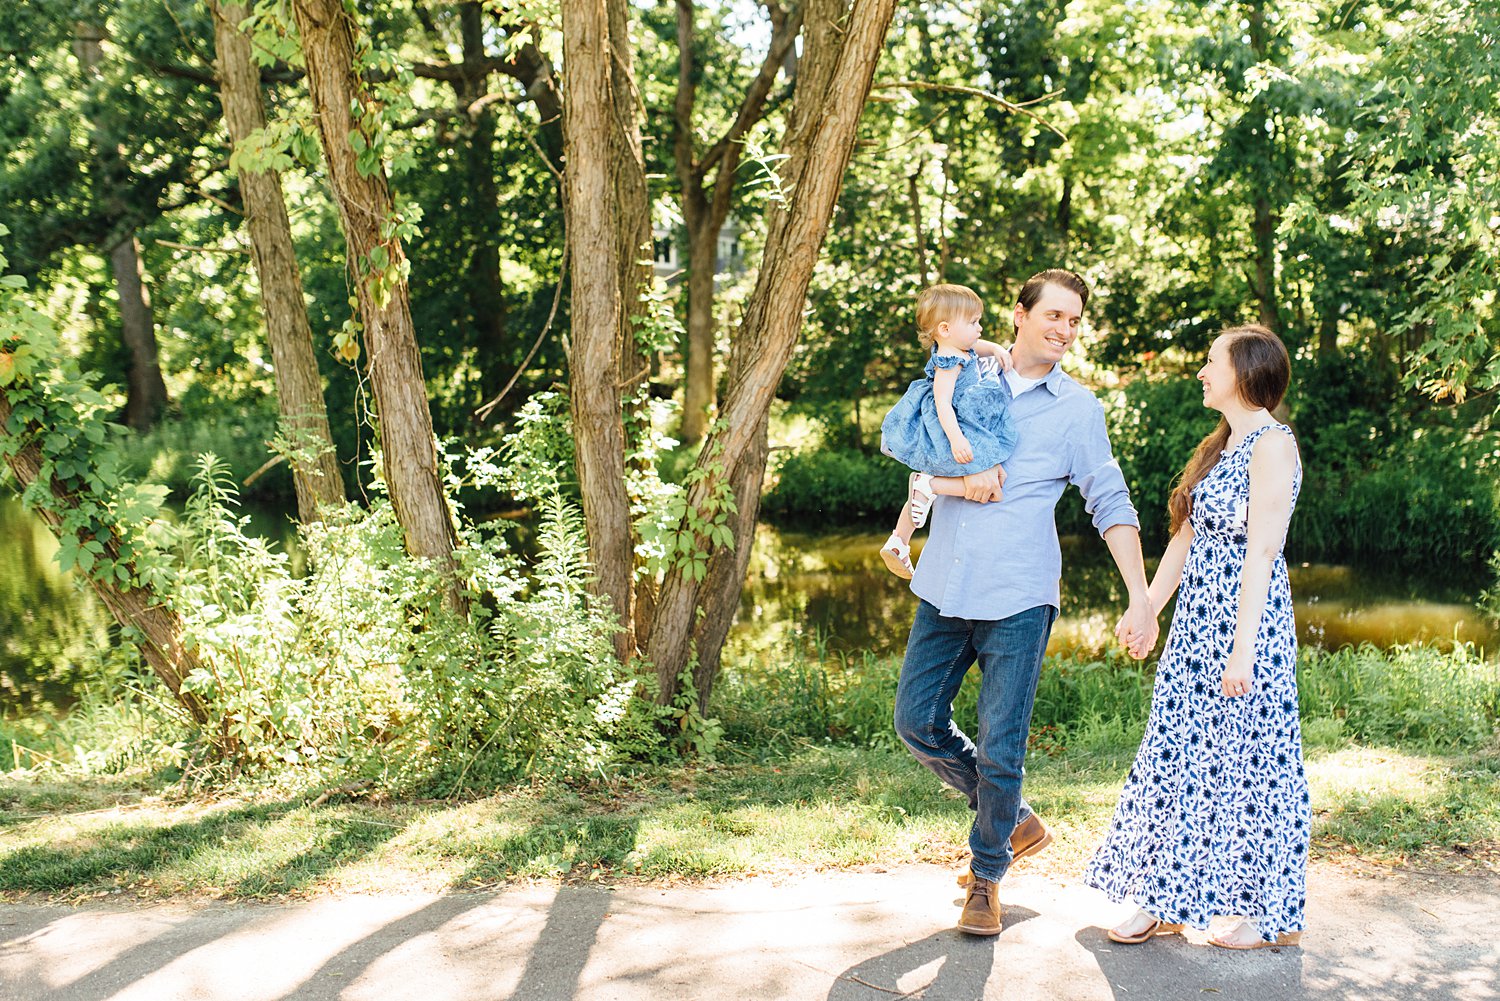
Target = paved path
(861,936)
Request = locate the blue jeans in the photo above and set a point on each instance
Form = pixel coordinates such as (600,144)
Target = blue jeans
(938,655)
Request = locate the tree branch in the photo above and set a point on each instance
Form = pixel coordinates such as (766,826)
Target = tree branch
(783,35)
(1011,106)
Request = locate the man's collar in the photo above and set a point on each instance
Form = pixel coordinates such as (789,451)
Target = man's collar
(1053,380)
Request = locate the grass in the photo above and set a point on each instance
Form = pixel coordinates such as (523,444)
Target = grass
(820,807)
(1401,757)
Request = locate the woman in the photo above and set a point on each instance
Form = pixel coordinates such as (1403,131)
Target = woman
(1214,816)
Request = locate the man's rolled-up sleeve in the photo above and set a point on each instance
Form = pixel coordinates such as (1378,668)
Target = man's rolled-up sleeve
(1097,476)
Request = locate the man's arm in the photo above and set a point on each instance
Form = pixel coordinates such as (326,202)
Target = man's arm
(1137,629)
(1097,476)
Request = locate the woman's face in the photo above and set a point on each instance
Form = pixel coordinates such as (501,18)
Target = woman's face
(1220,386)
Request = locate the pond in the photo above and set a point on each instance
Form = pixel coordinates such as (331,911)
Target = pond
(802,591)
(833,590)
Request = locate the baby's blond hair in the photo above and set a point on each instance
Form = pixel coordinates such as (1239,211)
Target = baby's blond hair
(944,302)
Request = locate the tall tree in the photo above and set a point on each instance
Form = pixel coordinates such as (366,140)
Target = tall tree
(147,391)
(371,230)
(705,202)
(607,218)
(842,44)
(299,386)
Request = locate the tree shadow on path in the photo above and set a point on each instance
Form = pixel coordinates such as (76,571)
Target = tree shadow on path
(1170,968)
(966,963)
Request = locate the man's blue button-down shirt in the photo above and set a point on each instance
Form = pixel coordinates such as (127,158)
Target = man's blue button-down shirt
(990,561)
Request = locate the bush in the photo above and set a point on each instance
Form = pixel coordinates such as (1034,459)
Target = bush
(835,487)
(168,453)
(361,664)
(360,669)
(1431,500)
(1154,425)
(1412,694)
(1417,695)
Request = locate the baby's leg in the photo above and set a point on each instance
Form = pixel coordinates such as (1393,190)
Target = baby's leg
(904,525)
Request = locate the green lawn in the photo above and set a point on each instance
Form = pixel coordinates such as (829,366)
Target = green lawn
(821,807)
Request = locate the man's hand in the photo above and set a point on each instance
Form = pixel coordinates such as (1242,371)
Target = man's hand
(984,487)
(1138,630)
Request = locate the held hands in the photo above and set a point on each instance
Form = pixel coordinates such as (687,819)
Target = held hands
(1137,630)
(1239,675)
(962,450)
(984,487)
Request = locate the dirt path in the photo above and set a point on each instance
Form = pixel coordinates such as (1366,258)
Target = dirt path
(850,936)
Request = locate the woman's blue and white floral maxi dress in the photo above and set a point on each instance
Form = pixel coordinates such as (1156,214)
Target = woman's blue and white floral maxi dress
(1214,816)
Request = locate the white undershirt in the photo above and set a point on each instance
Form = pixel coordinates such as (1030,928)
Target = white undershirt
(1018,383)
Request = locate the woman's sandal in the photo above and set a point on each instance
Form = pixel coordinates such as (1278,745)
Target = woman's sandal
(1286,938)
(1155,928)
(920,493)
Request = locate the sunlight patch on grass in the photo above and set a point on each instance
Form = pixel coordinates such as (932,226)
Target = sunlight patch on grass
(824,807)
(1398,807)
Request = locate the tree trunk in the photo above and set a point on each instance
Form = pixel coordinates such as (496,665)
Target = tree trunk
(299,385)
(698,388)
(395,365)
(485,293)
(139,608)
(594,356)
(914,193)
(1264,226)
(705,212)
(146,391)
(842,46)
(1265,264)
(146,397)
(1065,218)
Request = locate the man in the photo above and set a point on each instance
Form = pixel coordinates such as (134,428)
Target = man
(988,584)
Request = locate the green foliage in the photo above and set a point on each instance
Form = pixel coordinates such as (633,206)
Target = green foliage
(1414,695)
(1427,159)
(359,667)
(1489,601)
(1431,498)
(1154,425)
(835,487)
(1411,694)
(99,512)
(689,533)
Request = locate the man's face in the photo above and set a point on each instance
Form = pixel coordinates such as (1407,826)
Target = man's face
(1046,330)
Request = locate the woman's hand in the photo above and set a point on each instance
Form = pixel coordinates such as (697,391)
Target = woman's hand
(962,450)
(1239,675)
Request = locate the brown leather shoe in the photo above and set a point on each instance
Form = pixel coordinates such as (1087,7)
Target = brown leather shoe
(1029,837)
(981,915)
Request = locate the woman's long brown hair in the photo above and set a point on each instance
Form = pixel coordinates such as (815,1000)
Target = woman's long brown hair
(1262,370)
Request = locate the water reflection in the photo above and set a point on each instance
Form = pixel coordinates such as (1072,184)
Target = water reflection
(809,588)
(53,628)
(50,629)
(800,587)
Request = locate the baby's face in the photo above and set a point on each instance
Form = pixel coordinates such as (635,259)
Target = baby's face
(960,332)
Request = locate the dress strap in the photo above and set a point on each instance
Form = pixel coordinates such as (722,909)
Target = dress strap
(1251,438)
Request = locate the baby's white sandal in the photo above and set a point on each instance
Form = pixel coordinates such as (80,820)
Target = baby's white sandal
(897,557)
(919,491)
